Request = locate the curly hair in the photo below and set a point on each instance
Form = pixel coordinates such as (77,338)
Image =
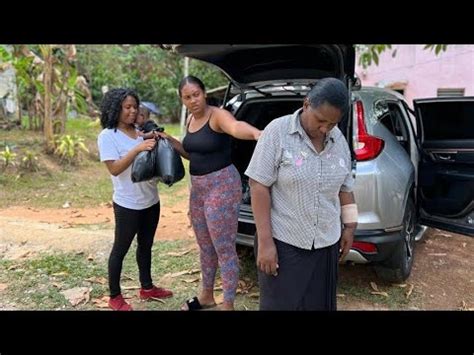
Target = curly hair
(111,106)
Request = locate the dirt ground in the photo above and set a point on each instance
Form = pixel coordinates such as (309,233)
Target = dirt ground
(442,276)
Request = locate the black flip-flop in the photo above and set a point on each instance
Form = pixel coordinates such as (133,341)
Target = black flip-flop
(194,304)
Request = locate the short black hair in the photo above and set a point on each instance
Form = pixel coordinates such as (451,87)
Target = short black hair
(111,106)
(190,79)
(329,90)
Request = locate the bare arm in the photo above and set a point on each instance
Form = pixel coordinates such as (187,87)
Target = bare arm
(176,144)
(238,129)
(267,257)
(116,167)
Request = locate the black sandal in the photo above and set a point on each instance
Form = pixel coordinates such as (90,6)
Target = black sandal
(194,304)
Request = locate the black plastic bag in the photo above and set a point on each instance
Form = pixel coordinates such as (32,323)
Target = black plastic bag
(169,167)
(151,125)
(144,165)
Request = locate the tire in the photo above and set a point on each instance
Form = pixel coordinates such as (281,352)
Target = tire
(398,266)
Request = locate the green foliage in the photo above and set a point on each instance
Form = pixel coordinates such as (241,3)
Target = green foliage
(148,69)
(69,148)
(29,161)
(369,54)
(438,48)
(8,156)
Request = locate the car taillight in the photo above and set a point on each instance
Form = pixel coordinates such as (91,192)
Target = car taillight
(367,147)
(364,247)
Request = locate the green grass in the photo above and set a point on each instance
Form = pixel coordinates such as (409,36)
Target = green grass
(87,184)
(33,283)
(354,284)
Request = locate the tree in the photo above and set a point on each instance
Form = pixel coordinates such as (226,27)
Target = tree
(47,52)
(369,53)
(153,72)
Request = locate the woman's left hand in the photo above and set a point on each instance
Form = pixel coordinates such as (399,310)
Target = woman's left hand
(347,238)
(257,135)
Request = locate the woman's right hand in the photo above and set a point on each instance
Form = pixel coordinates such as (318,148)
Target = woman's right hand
(147,144)
(267,257)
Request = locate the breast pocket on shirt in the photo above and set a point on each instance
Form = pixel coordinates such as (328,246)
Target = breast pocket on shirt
(334,174)
(292,165)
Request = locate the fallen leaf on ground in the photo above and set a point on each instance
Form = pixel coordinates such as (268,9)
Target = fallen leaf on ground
(178,253)
(13,267)
(218,288)
(437,254)
(245,307)
(66,204)
(62,273)
(190,234)
(80,253)
(340,295)
(157,299)
(125,276)
(445,235)
(379,293)
(90,257)
(77,295)
(464,244)
(400,285)
(188,281)
(410,290)
(55,284)
(254,295)
(185,272)
(176,211)
(102,302)
(130,287)
(374,286)
(98,280)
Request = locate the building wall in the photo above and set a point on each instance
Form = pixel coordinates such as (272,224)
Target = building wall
(422,71)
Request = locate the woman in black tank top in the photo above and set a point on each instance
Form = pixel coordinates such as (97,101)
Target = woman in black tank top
(216,189)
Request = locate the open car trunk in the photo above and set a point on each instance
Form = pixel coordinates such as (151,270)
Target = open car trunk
(446,168)
(259,112)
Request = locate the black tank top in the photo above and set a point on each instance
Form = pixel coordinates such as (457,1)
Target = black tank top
(208,150)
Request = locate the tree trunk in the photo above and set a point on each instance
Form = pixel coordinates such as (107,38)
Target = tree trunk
(48,122)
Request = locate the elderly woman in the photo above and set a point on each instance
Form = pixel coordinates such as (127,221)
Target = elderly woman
(301,182)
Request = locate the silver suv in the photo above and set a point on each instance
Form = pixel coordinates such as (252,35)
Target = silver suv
(403,179)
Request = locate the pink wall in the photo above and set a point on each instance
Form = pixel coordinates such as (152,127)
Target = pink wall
(423,71)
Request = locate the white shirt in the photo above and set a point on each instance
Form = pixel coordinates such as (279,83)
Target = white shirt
(136,196)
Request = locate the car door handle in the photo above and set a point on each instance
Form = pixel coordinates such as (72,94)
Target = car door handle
(444,156)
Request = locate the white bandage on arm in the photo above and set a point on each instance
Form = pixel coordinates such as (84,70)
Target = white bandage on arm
(349,213)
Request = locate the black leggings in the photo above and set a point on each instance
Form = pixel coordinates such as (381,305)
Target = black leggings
(129,223)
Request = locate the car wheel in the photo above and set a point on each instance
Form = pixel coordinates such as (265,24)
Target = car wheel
(398,267)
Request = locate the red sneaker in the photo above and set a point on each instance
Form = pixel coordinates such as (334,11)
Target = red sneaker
(155,292)
(119,304)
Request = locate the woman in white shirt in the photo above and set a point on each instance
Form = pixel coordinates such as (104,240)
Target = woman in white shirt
(136,205)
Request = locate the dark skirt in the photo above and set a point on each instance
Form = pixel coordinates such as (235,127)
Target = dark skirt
(306,280)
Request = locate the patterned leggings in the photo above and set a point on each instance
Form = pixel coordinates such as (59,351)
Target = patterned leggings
(215,201)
